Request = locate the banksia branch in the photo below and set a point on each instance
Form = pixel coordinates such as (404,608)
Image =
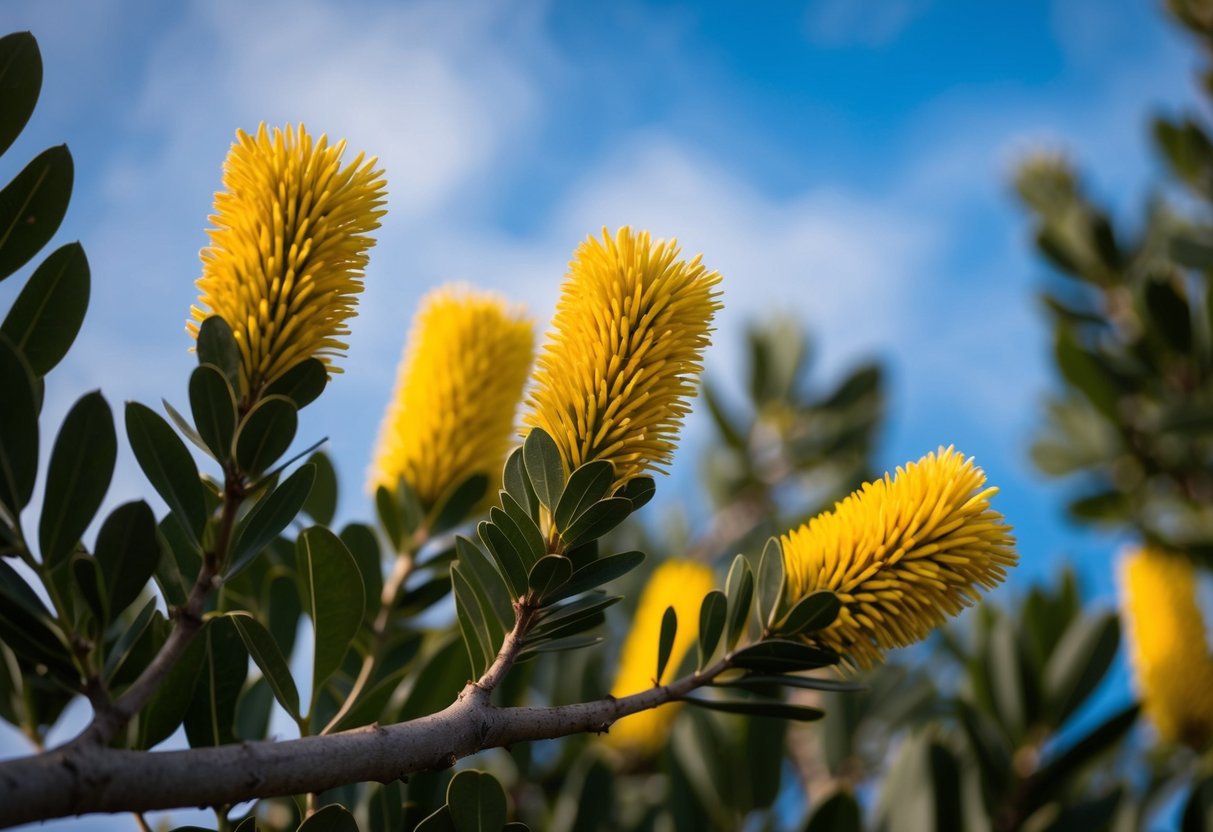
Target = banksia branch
(288,249)
(901,554)
(624,353)
(1167,647)
(682,585)
(457,392)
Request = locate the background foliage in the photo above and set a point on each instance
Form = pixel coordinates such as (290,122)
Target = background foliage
(987,727)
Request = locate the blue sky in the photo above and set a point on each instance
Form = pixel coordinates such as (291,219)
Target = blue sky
(845,162)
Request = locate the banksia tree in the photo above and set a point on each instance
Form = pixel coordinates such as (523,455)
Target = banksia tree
(520,538)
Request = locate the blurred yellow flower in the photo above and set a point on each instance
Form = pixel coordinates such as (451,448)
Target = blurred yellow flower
(901,554)
(1166,642)
(457,392)
(682,585)
(288,249)
(624,352)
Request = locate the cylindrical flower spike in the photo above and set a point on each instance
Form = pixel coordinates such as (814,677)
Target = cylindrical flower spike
(681,584)
(457,393)
(901,554)
(624,352)
(288,249)
(1166,641)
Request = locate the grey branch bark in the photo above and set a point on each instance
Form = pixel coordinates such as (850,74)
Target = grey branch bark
(84,778)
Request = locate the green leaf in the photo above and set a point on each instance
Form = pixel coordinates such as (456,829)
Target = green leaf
(420,599)
(1079,662)
(598,572)
(439,821)
(265,433)
(273,513)
(739,589)
(81,466)
(1086,374)
(224,666)
(549,574)
(331,818)
(712,614)
(216,345)
(46,316)
(476,802)
(1198,810)
(556,645)
(127,551)
(213,404)
(760,683)
(596,521)
(524,524)
(117,654)
(390,516)
(779,656)
(515,481)
(88,580)
(321,502)
(520,542)
(360,539)
(168,466)
(509,559)
(770,582)
(586,486)
(665,642)
(637,491)
(945,776)
(268,656)
(481,572)
(453,508)
(32,206)
(302,384)
(18,430)
(554,621)
(814,612)
(544,468)
(20,82)
(25,629)
(755,707)
(472,623)
(331,592)
(838,813)
(173,697)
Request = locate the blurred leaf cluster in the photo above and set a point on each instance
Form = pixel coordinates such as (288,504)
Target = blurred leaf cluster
(1132,316)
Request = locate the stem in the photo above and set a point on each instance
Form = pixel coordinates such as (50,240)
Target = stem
(82,778)
(379,630)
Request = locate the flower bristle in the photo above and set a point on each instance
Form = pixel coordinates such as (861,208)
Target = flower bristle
(681,584)
(902,554)
(623,356)
(288,249)
(459,383)
(1165,635)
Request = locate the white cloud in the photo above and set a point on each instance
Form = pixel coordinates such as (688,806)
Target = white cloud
(834,23)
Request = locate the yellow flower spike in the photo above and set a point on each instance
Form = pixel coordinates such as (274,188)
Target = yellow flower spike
(288,249)
(901,553)
(682,585)
(624,352)
(457,392)
(1166,641)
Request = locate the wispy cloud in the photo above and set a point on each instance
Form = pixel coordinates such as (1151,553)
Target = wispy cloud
(832,23)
